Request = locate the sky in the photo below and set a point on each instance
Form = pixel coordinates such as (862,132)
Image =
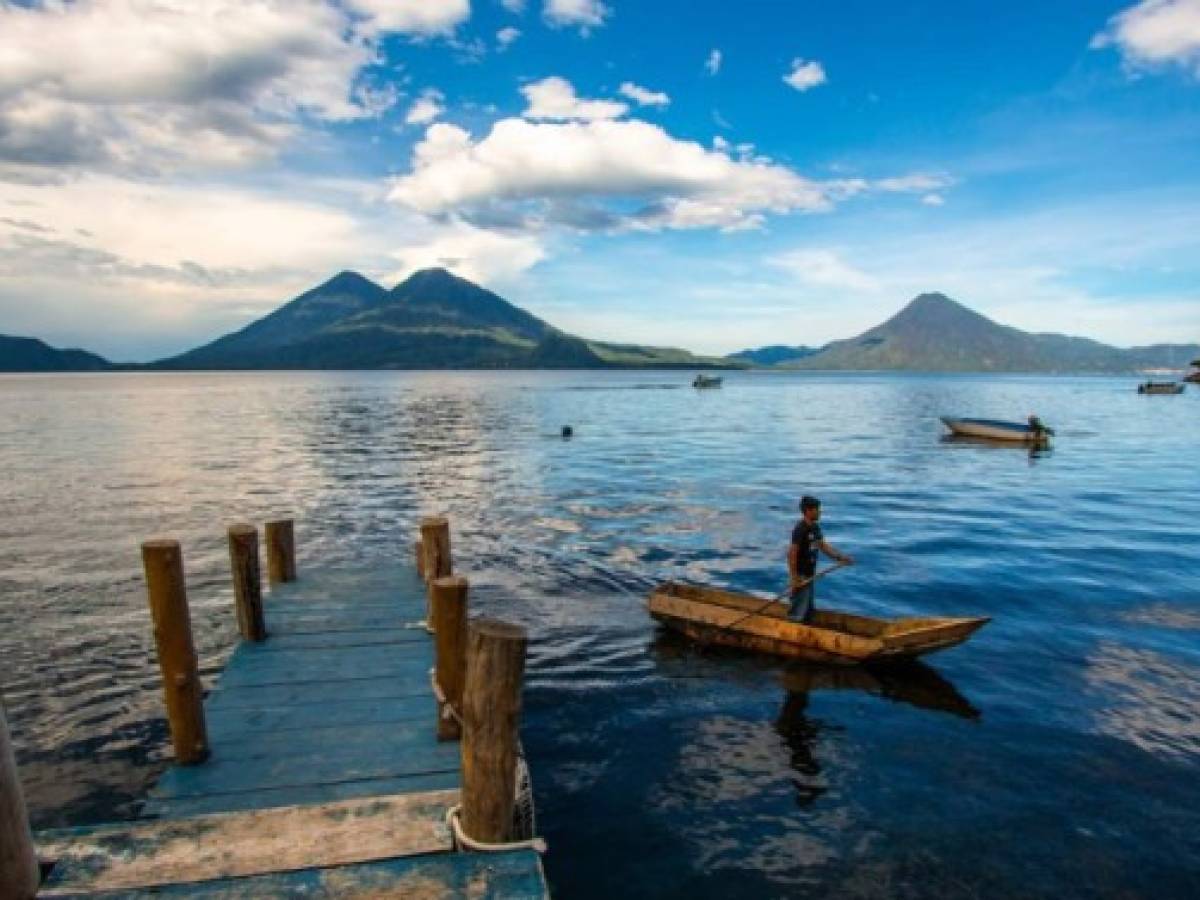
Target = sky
(708,175)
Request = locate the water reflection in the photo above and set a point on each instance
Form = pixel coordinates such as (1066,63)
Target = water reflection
(1033,450)
(913,682)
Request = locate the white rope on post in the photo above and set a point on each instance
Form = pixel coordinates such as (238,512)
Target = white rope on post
(448,711)
(538,845)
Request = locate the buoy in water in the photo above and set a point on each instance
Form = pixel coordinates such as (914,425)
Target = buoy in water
(567,431)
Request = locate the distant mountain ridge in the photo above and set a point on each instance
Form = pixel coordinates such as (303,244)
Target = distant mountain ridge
(936,334)
(25,354)
(774,354)
(431,320)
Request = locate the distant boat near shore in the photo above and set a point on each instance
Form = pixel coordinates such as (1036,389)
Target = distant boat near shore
(1160,387)
(997,430)
(707,381)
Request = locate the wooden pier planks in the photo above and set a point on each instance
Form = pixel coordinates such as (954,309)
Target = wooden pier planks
(331,714)
(514,875)
(231,845)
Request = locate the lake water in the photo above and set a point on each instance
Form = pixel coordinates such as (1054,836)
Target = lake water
(1055,754)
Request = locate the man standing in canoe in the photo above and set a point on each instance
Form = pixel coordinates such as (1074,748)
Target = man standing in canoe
(807,539)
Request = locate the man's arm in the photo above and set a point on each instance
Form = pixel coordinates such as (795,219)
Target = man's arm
(833,553)
(793,562)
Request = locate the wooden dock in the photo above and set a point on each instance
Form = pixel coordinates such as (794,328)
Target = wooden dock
(319,770)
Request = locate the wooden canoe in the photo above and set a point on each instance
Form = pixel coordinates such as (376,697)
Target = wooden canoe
(715,616)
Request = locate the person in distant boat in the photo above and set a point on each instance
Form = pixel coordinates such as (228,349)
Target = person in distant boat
(807,539)
(1037,427)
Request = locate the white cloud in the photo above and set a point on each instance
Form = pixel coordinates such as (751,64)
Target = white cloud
(136,84)
(643,96)
(1156,32)
(514,6)
(506,36)
(422,18)
(805,75)
(556,167)
(713,63)
(933,200)
(480,255)
(822,267)
(426,108)
(554,98)
(583,13)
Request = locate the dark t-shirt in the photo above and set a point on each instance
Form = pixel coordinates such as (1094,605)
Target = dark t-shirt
(806,535)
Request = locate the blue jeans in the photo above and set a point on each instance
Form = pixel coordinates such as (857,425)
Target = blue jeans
(802,603)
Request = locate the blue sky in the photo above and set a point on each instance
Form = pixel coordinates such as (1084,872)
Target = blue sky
(707,175)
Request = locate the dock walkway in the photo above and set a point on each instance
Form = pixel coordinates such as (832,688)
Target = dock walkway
(325,777)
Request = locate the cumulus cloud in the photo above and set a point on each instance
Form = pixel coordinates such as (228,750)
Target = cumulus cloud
(506,36)
(554,98)
(133,85)
(1156,32)
(805,75)
(527,171)
(422,18)
(474,253)
(713,64)
(643,96)
(514,6)
(426,108)
(585,14)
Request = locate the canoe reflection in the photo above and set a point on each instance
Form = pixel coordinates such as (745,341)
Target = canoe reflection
(1032,450)
(914,683)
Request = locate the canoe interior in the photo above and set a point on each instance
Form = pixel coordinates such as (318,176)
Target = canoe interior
(714,615)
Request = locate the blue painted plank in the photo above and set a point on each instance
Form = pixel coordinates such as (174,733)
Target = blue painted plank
(296,622)
(290,669)
(342,712)
(391,636)
(184,807)
(268,696)
(354,763)
(514,875)
(320,742)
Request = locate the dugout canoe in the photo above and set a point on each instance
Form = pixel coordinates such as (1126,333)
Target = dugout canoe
(714,616)
(996,430)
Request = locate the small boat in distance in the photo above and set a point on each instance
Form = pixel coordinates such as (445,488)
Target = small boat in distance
(1031,432)
(707,381)
(1160,387)
(714,616)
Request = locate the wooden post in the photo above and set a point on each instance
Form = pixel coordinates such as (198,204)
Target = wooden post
(420,560)
(19,872)
(281,551)
(491,713)
(448,599)
(163,562)
(435,547)
(247,582)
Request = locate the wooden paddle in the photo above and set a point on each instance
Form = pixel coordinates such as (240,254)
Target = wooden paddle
(791,588)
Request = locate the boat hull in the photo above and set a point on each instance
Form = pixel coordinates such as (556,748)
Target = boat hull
(1167,387)
(994,430)
(730,619)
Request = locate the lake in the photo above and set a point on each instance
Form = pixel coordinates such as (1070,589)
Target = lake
(1055,754)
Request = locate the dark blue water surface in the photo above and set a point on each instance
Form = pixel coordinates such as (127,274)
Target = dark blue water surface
(1056,754)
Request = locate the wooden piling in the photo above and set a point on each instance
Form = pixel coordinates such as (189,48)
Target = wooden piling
(448,602)
(491,715)
(19,872)
(435,548)
(247,581)
(182,691)
(281,551)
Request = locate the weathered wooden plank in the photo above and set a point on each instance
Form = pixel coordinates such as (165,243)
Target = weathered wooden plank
(513,875)
(371,638)
(221,776)
(301,621)
(363,739)
(231,845)
(318,692)
(279,668)
(245,720)
(180,807)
